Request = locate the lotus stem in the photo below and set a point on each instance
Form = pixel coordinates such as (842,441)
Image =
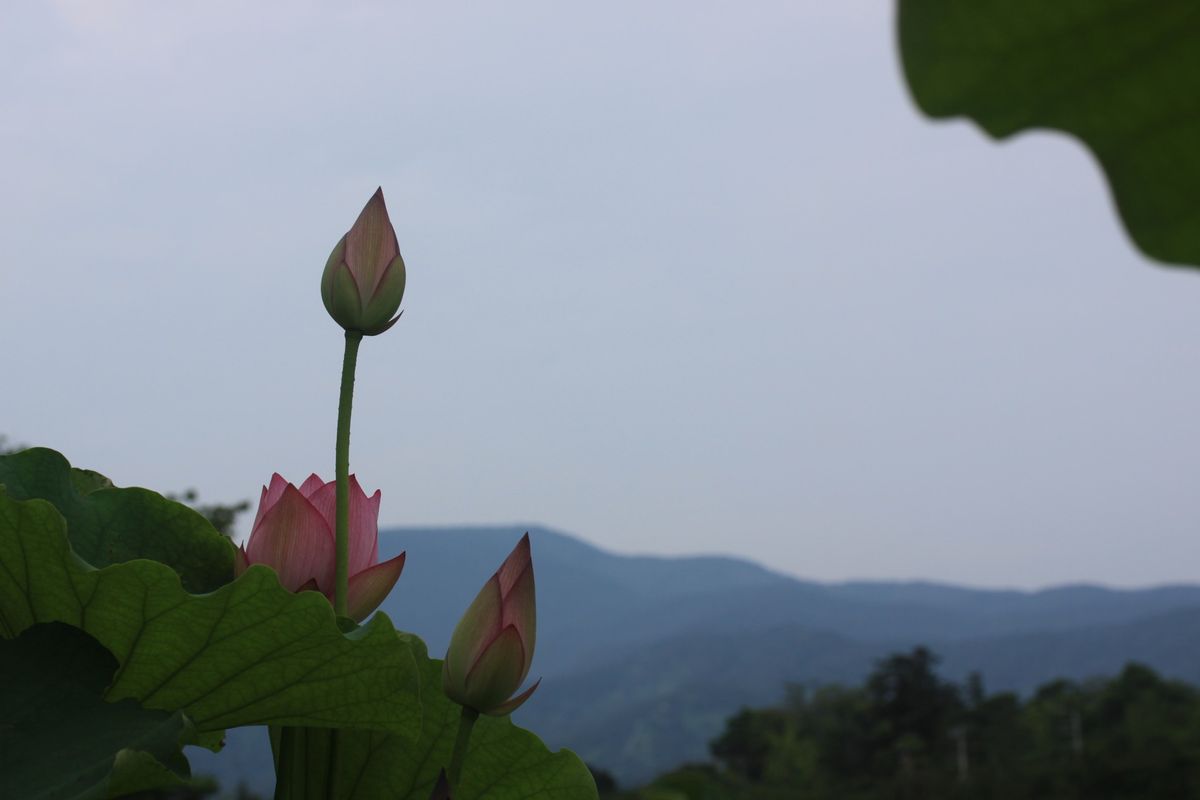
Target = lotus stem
(465,723)
(342,475)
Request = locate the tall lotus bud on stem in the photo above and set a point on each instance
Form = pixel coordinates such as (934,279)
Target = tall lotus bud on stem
(362,287)
(492,647)
(363,282)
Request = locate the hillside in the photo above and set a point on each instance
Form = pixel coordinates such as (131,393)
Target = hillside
(591,601)
(662,704)
(662,650)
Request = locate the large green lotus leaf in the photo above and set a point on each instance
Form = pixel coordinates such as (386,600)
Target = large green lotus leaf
(1121,75)
(107,525)
(249,653)
(503,762)
(59,739)
(136,771)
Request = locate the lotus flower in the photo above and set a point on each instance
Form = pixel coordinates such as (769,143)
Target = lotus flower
(363,282)
(492,646)
(293,534)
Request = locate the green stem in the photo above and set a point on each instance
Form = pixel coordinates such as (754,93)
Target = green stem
(335,753)
(465,723)
(342,468)
(306,762)
(289,758)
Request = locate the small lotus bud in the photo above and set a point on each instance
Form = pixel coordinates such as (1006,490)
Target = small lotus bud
(363,282)
(492,646)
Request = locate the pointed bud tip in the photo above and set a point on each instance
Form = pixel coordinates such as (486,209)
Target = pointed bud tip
(523,550)
(518,562)
(377,201)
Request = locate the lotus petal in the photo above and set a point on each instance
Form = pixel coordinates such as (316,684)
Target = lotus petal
(480,624)
(370,587)
(293,538)
(364,522)
(311,484)
(516,702)
(269,497)
(497,673)
(371,245)
(240,562)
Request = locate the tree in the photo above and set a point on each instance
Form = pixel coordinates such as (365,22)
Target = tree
(906,733)
(222,516)
(911,708)
(747,741)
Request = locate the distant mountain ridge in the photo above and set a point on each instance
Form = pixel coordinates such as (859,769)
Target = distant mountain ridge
(646,598)
(643,657)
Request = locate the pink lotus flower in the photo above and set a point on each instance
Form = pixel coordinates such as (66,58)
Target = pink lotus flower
(293,534)
(492,646)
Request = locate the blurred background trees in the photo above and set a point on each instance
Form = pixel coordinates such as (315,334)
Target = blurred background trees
(906,734)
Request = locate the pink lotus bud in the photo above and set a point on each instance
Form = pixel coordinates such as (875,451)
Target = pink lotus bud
(492,647)
(293,534)
(363,282)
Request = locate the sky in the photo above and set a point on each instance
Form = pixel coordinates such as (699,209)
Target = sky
(682,278)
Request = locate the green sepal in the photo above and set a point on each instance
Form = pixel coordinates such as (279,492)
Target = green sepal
(343,302)
(497,673)
(385,302)
(478,625)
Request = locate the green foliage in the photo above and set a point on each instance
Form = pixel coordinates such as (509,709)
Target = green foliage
(693,782)
(248,652)
(107,525)
(1121,75)
(198,788)
(502,760)
(60,739)
(906,733)
(748,741)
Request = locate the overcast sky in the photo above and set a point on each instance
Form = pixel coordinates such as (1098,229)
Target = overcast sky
(682,278)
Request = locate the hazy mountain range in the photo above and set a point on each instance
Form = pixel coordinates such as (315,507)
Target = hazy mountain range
(643,658)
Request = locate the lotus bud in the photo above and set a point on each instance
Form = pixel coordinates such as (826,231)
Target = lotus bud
(293,534)
(492,646)
(363,282)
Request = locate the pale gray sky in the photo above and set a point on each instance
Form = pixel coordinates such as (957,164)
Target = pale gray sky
(683,277)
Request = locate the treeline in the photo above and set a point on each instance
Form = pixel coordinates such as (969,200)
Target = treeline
(906,734)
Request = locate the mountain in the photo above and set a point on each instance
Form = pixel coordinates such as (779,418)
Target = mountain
(660,705)
(643,658)
(591,601)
